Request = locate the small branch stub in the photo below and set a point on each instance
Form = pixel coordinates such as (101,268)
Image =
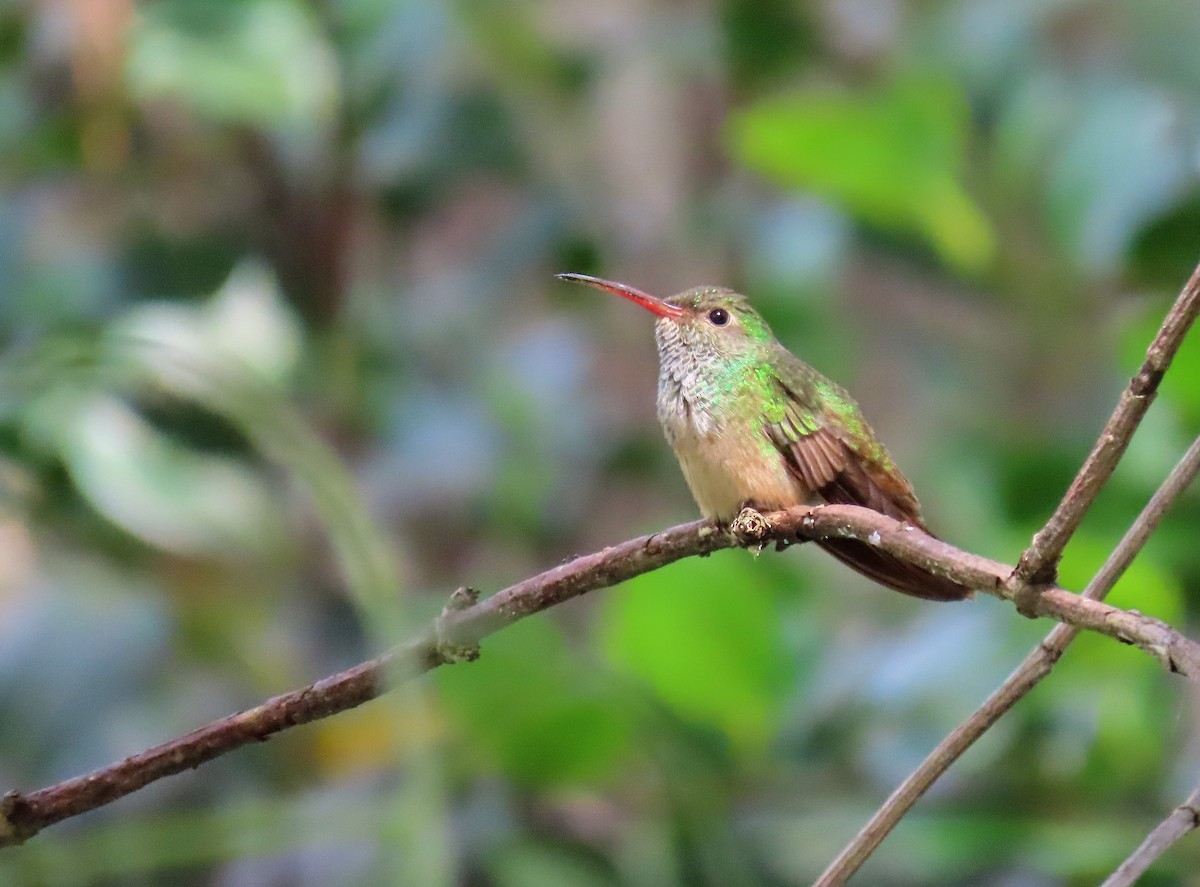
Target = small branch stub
(451,652)
(11,832)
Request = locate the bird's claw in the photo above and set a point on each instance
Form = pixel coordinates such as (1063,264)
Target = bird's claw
(750,528)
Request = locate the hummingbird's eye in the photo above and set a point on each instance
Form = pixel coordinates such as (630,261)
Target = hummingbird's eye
(718,317)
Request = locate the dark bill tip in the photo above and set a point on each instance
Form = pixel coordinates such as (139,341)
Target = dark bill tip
(651,303)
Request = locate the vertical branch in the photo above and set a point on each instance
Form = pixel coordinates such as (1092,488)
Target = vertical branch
(1036,665)
(1039,562)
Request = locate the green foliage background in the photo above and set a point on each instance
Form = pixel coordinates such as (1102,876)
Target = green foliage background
(284,363)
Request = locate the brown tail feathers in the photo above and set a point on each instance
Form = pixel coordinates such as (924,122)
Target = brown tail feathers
(885,569)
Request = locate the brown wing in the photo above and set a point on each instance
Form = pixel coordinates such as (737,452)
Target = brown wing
(818,453)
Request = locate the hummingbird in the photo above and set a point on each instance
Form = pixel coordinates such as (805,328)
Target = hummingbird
(753,425)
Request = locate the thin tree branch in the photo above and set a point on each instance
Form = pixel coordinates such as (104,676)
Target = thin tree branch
(1174,651)
(1136,537)
(1039,563)
(1036,665)
(1178,823)
(1032,669)
(22,815)
(455,636)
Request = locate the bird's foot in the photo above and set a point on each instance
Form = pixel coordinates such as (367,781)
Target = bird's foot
(750,529)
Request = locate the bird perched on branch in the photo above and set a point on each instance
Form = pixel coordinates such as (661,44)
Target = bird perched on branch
(753,425)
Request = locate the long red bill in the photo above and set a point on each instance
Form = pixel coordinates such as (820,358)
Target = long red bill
(651,303)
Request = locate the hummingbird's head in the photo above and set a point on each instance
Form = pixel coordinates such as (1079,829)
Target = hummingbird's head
(706,323)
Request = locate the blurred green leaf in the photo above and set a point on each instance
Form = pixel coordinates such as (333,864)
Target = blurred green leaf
(1164,252)
(766,38)
(530,864)
(509,35)
(244,329)
(141,478)
(256,61)
(704,634)
(894,158)
(169,495)
(536,709)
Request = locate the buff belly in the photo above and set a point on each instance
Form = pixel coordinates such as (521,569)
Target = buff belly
(725,471)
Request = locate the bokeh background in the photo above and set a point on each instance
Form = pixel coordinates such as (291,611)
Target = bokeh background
(284,363)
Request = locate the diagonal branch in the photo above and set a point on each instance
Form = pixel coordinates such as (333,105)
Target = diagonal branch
(1039,562)
(22,815)
(1178,823)
(1033,668)
(463,625)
